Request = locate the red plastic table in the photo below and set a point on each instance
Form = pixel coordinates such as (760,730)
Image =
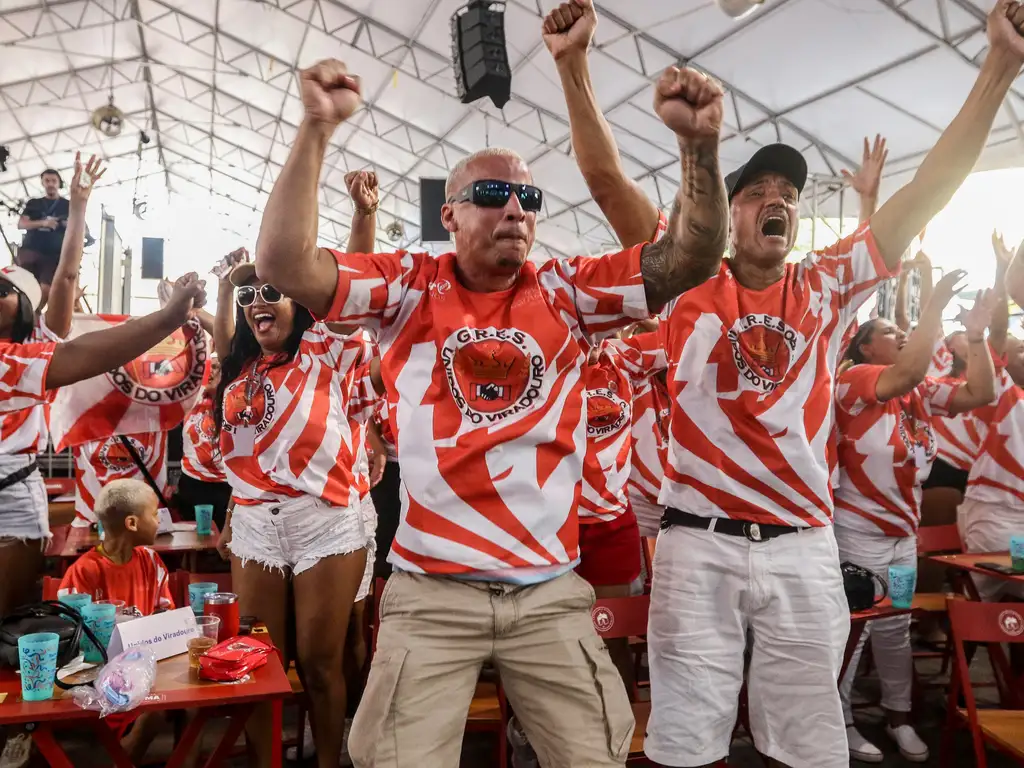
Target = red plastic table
(174,688)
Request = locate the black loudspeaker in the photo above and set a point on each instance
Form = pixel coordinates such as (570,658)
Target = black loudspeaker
(431,200)
(478,53)
(152,258)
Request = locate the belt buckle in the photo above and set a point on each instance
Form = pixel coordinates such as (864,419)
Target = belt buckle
(752,531)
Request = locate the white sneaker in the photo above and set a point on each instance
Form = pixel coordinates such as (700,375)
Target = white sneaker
(17,751)
(910,744)
(308,748)
(860,748)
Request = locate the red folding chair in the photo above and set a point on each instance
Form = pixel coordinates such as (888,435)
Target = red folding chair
(938,540)
(617,617)
(50,587)
(992,624)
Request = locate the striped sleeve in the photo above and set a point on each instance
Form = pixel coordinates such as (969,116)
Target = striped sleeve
(23,369)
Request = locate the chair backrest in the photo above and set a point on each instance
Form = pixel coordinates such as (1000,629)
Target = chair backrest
(621,616)
(939,539)
(992,624)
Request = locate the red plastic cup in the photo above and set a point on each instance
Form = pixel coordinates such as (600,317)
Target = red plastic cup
(224,605)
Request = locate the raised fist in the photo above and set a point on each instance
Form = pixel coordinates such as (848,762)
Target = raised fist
(1006,29)
(187,296)
(362,186)
(690,103)
(329,93)
(569,28)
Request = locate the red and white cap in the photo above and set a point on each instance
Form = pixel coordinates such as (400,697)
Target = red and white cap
(24,281)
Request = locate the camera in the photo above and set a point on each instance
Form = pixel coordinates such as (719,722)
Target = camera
(5,153)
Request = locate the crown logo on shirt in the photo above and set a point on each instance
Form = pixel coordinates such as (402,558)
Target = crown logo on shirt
(489,367)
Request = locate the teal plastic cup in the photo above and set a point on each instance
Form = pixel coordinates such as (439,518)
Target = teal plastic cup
(204,519)
(1017,552)
(99,530)
(37,658)
(76,600)
(197,595)
(902,582)
(100,618)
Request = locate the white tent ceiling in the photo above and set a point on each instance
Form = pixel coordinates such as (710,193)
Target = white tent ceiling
(213,83)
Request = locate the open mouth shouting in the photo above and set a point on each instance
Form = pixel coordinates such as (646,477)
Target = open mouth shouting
(775,226)
(263,321)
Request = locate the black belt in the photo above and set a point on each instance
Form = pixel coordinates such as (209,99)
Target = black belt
(726,525)
(17,477)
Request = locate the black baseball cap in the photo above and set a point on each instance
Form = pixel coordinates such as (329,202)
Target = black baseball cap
(774,158)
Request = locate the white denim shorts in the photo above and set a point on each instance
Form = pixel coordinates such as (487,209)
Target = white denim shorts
(369,513)
(294,535)
(24,513)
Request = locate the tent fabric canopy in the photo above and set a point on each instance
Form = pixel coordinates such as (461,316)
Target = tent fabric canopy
(212,83)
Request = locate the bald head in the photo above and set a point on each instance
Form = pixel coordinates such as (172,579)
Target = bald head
(492,242)
(467,169)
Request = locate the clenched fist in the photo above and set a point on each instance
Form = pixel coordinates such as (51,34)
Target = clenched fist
(569,28)
(1006,29)
(690,103)
(329,93)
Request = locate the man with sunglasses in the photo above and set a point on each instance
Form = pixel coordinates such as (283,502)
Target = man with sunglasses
(481,357)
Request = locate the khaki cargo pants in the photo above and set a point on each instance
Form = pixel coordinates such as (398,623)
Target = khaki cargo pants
(435,635)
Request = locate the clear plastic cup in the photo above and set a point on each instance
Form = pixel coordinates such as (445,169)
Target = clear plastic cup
(37,658)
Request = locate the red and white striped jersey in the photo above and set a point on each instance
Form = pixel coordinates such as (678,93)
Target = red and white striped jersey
(386,433)
(609,403)
(485,393)
(957,436)
(297,440)
(362,406)
(25,430)
(23,370)
(99,461)
(750,376)
(886,450)
(643,357)
(200,450)
(997,475)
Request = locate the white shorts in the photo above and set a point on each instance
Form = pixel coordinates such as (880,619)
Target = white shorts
(709,589)
(294,535)
(369,513)
(24,514)
(648,516)
(987,527)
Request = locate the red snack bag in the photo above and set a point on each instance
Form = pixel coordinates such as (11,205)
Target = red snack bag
(233,659)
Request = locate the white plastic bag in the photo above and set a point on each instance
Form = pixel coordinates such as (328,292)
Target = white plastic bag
(121,685)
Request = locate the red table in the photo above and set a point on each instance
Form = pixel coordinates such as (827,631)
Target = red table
(174,689)
(968,562)
(859,619)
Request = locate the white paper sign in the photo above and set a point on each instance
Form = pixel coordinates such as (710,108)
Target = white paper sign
(166,521)
(166,634)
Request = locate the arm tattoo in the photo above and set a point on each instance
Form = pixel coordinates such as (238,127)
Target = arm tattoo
(691,250)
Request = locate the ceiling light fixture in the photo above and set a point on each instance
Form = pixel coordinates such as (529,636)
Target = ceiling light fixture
(739,9)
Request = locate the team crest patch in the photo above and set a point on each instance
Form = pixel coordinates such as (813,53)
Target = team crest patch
(170,372)
(493,373)
(606,413)
(603,618)
(263,407)
(763,347)
(115,457)
(1012,623)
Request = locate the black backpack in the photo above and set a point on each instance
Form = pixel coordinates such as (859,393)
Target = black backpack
(47,616)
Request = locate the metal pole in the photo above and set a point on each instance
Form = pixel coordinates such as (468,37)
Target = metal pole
(814,213)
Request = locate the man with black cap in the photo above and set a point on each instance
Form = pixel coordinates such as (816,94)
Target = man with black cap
(747,544)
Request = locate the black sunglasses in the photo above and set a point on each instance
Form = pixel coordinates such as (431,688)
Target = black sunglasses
(246,296)
(491,193)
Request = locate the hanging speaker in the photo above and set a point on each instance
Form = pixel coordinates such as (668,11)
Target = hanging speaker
(152,258)
(478,53)
(431,200)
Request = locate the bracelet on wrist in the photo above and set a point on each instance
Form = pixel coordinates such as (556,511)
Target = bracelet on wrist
(367,211)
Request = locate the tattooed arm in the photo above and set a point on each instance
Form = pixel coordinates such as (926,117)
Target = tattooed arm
(691,250)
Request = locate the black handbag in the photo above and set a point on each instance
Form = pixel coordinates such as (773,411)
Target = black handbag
(859,584)
(47,616)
